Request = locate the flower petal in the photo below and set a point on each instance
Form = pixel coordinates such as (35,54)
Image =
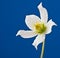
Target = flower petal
(31,20)
(26,34)
(43,13)
(39,39)
(49,26)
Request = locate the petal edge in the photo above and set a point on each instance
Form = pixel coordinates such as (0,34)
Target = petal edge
(26,34)
(50,24)
(43,13)
(39,39)
(30,20)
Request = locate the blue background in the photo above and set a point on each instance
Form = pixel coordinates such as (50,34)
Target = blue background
(12,19)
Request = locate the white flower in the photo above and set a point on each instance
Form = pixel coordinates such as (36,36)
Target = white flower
(39,26)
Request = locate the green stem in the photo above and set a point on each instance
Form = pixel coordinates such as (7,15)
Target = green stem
(42,52)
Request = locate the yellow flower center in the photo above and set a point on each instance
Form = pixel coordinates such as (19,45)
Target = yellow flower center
(40,28)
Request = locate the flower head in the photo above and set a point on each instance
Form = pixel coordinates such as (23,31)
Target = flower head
(38,26)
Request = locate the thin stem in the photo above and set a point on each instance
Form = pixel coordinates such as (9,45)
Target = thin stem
(42,52)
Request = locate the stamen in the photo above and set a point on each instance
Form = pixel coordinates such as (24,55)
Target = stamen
(40,28)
